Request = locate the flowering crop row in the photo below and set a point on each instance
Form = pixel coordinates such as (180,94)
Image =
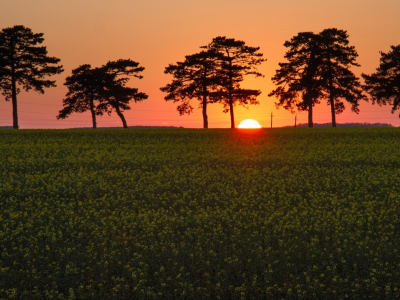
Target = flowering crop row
(200,214)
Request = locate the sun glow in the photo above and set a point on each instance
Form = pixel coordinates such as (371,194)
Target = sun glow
(249,124)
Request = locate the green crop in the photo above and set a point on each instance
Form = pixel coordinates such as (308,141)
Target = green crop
(200,214)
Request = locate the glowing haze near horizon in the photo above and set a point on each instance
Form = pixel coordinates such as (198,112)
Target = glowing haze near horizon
(156,33)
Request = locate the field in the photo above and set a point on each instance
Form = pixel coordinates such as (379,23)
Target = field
(200,214)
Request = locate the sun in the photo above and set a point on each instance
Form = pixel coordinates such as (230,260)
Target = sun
(249,124)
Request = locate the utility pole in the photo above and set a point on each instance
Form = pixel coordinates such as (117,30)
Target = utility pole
(272,115)
(295,121)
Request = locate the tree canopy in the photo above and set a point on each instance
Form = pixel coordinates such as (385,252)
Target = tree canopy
(117,95)
(85,92)
(102,90)
(337,80)
(384,84)
(238,60)
(214,75)
(194,78)
(297,80)
(25,64)
(318,68)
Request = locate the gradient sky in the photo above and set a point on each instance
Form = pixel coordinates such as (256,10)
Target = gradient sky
(156,33)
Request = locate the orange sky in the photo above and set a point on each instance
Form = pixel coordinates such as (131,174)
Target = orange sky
(156,33)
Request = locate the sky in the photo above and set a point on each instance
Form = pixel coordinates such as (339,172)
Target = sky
(157,33)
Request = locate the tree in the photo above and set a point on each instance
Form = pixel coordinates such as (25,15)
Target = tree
(318,68)
(102,89)
(194,78)
(297,79)
(238,60)
(337,81)
(384,84)
(116,95)
(24,63)
(85,89)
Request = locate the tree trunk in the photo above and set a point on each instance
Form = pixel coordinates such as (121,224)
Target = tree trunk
(333,110)
(230,96)
(205,118)
(14,97)
(93,114)
(331,96)
(232,115)
(310,86)
(14,100)
(231,102)
(310,112)
(119,113)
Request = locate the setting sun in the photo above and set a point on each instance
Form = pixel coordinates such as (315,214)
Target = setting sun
(249,123)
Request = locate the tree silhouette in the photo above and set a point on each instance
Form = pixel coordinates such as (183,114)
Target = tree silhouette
(194,78)
(24,63)
(384,84)
(237,61)
(337,81)
(116,95)
(297,79)
(318,68)
(102,89)
(85,87)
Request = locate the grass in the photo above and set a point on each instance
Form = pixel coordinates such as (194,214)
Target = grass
(183,214)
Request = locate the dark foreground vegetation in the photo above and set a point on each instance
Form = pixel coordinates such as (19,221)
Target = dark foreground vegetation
(193,214)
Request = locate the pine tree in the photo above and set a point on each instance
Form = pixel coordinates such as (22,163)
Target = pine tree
(384,84)
(318,68)
(85,92)
(194,78)
(297,80)
(238,60)
(116,95)
(24,63)
(337,80)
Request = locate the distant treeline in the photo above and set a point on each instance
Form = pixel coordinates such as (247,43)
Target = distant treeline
(147,127)
(344,125)
(317,68)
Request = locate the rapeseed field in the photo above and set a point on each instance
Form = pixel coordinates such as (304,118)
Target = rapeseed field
(200,214)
